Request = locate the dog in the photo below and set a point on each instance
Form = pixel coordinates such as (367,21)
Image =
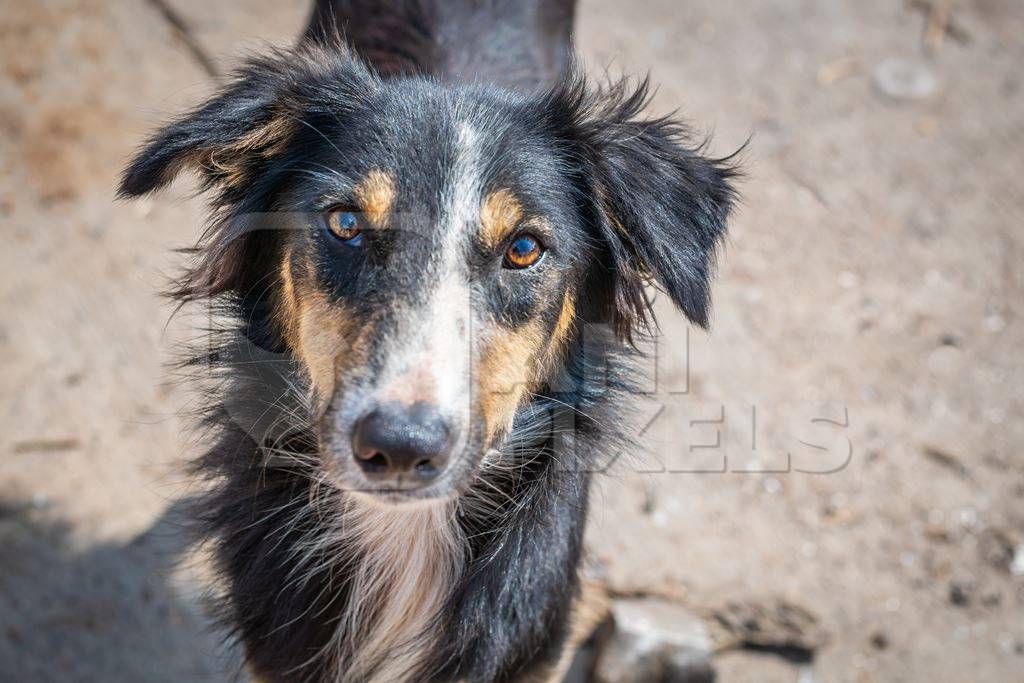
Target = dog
(426,262)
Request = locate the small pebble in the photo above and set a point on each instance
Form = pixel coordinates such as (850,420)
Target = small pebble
(995,323)
(905,79)
(961,593)
(848,280)
(968,517)
(993,599)
(143,207)
(1017,564)
(928,126)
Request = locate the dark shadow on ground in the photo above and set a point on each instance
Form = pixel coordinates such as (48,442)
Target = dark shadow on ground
(105,613)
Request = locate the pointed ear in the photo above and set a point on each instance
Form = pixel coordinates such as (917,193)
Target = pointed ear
(660,202)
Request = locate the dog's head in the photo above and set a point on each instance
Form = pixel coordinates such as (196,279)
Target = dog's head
(436,250)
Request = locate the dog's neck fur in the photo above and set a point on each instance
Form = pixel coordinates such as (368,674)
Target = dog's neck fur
(407,563)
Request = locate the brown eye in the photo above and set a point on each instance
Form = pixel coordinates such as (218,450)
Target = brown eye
(524,252)
(344,225)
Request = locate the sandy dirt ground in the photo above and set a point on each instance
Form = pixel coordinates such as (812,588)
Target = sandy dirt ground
(845,444)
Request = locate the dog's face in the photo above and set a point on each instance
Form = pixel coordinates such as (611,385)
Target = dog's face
(429,282)
(435,252)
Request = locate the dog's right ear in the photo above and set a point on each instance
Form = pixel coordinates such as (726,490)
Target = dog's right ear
(231,139)
(232,142)
(220,139)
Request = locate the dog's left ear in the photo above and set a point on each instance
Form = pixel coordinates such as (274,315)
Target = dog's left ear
(660,203)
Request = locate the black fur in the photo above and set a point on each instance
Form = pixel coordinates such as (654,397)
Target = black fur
(519,45)
(638,203)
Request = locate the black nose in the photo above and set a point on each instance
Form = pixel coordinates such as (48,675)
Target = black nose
(409,445)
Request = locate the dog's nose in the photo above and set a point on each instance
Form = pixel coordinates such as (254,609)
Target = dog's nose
(407,444)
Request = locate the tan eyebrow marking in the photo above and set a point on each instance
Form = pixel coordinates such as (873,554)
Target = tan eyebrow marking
(376,195)
(499,216)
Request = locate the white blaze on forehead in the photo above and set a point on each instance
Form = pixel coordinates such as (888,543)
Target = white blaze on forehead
(461,205)
(431,357)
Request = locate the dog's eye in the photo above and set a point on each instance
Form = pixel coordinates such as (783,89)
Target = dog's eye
(523,252)
(344,225)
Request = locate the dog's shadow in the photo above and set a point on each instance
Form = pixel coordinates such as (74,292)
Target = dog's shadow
(111,612)
(107,612)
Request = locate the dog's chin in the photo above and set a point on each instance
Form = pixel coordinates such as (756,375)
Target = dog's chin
(402,499)
(380,494)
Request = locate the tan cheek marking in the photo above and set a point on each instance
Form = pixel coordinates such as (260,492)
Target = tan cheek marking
(286,309)
(563,326)
(317,330)
(376,196)
(324,334)
(512,362)
(499,216)
(507,370)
